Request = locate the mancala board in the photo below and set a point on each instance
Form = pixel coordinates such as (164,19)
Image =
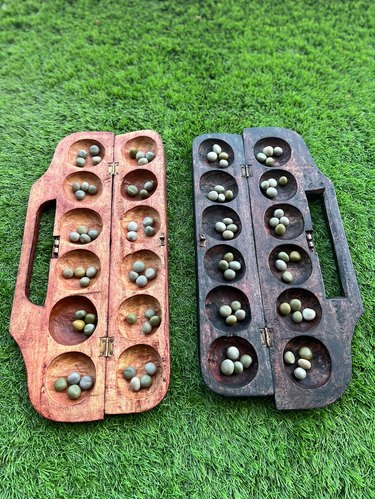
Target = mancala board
(264,333)
(51,348)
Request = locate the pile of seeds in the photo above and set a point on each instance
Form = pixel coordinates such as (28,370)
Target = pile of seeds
(226,228)
(269,186)
(281,264)
(84,322)
(217,154)
(299,314)
(83,235)
(153,320)
(81,189)
(143,158)
(148,228)
(304,362)
(148,186)
(94,153)
(84,275)
(234,363)
(229,266)
(279,222)
(74,384)
(220,194)
(267,155)
(141,274)
(144,381)
(232,313)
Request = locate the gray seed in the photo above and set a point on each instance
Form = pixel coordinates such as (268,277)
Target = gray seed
(96,160)
(305,353)
(84,238)
(132,190)
(221,198)
(132,236)
(277,151)
(88,329)
(73,378)
(228,234)
(272,182)
(84,282)
(148,221)
(299,373)
(283,180)
(150,155)
(287,277)
(229,275)
(295,304)
(82,229)
(280,265)
(289,357)
(223,265)
(278,213)
(271,192)
(224,155)
(223,163)
(94,150)
(150,312)
(80,162)
(155,321)
(82,153)
(150,273)
(235,305)
(238,367)
(284,221)
(240,314)
(76,186)
(297,316)
(148,185)
(90,318)
(146,381)
(140,155)
(68,273)
(129,372)
(150,368)
(268,151)
(86,383)
(283,256)
(144,194)
(139,266)
(212,156)
(133,226)
(142,161)
(280,229)
(273,222)
(295,256)
(229,195)
(231,320)
(220,226)
(219,189)
(80,314)
(80,195)
(92,189)
(146,328)
(91,272)
(149,231)
(229,257)
(141,281)
(74,237)
(308,314)
(227,367)
(225,311)
(213,195)
(93,233)
(264,185)
(304,363)
(246,361)
(135,384)
(261,157)
(133,275)
(216,148)
(235,266)
(270,161)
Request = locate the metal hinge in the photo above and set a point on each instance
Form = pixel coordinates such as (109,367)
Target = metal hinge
(266,337)
(162,239)
(112,167)
(246,171)
(310,241)
(56,246)
(106,347)
(202,240)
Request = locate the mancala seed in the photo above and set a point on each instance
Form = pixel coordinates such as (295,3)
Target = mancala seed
(246,360)
(304,363)
(84,282)
(308,314)
(139,266)
(273,222)
(74,392)
(225,310)
(270,161)
(150,368)
(150,273)
(297,316)
(132,152)
(155,321)
(68,273)
(150,312)
(233,353)
(271,192)
(221,198)
(86,383)
(232,227)
(144,194)
(277,151)
(289,357)
(240,314)
(141,281)
(295,256)
(223,265)
(224,155)
(238,367)
(142,161)
(220,189)
(283,180)
(148,221)
(131,318)
(146,328)
(150,155)
(132,236)
(228,234)
(91,272)
(73,378)
(213,195)
(146,381)
(135,384)
(295,304)
(84,239)
(82,153)
(299,373)
(227,221)
(235,305)
(78,325)
(132,190)
(85,186)
(80,194)
(268,151)
(216,148)
(229,257)
(149,231)
(283,256)
(229,195)
(278,213)
(82,229)
(140,155)
(133,226)
(90,318)
(280,265)
(148,185)
(272,182)
(212,156)
(80,314)
(231,320)
(129,372)
(94,150)
(235,266)
(92,189)
(220,227)
(287,276)
(60,385)
(88,329)
(261,157)
(133,276)
(76,186)
(223,163)
(284,308)
(280,229)
(284,221)
(79,272)
(227,367)
(229,275)
(80,162)
(93,233)
(264,185)
(305,353)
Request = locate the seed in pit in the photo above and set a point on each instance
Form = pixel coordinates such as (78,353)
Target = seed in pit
(80,194)
(235,305)
(264,185)
(80,314)
(74,392)
(148,221)
(213,195)
(150,273)
(79,272)
(150,312)
(235,266)
(82,153)
(212,156)
(238,367)
(304,363)
(216,148)
(144,194)
(240,314)
(150,368)
(229,257)
(135,384)
(228,195)
(132,236)
(140,155)
(305,353)
(90,318)
(308,314)
(82,229)
(132,226)
(92,189)
(287,277)
(60,385)
(295,304)
(223,163)
(91,272)
(224,155)
(297,316)
(94,150)
(139,266)
(88,329)
(246,360)
(84,239)
(221,198)
(284,221)
(141,281)
(225,311)
(223,265)
(142,161)
(86,383)
(283,256)
(229,274)
(272,182)
(150,155)
(227,220)
(283,180)
(73,378)
(227,367)
(284,308)
(133,275)
(148,185)
(155,321)
(299,373)
(78,325)
(295,256)
(268,151)
(231,320)
(280,265)
(76,186)
(277,151)
(93,233)
(146,328)
(68,273)
(278,213)
(96,160)
(280,229)
(261,157)
(228,234)
(85,186)
(132,190)
(131,319)
(129,372)
(232,227)
(146,381)
(270,161)
(84,282)
(220,227)
(149,231)
(80,162)
(273,222)
(289,358)
(271,192)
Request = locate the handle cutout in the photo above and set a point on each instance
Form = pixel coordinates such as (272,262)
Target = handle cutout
(324,245)
(41,254)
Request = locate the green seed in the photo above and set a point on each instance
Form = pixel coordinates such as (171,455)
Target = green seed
(271,192)
(231,320)
(92,189)
(68,273)
(90,318)
(229,274)
(149,231)
(93,233)
(225,311)
(305,353)
(88,329)
(283,180)
(73,378)
(280,229)
(212,156)
(278,213)
(132,236)
(82,229)
(80,162)
(148,185)
(289,358)
(308,314)
(148,221)
(86,383)
(235,305)
(295,304)
(139,266)
(141,281)
(297,316)
(295,256)
(238,367)
(273,222)
(150,368)
(94,150)
(284,308)
(228,234)
(60,385)
(283,256)
(78,325)
(132,152)
(96,160)
(264,185)
(304,363)
(280,265)
(150,312)
(150,273)
(135,384)
(132,190)
(229,195)
(84,239)
(299,373)
(76,186)
(223,163)
(146,381)
(91,272)
(150,155)
(232,227)
(223,265)
(220,227)
(268,151)
(227,367)
(84,282)
(131,319)
(277,151)
(143,161)
(213,195)
(79,272)
(261,157)
(246,361)
(240,314)
(229,257)
(80,314)
(155,321)
(144,194)
(129,372)
(146,328)
(216,148)
(80,195)
(287,277)
(74,392)
(133,275)
(270,161)
(224,155)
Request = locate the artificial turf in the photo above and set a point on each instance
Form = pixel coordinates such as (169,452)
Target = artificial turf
(183,69)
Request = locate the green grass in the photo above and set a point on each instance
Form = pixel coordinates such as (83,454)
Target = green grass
(183,69)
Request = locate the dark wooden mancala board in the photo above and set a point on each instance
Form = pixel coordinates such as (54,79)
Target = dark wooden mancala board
(50,346)
(265,333)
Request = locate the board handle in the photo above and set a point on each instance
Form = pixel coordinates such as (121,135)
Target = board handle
(39,199)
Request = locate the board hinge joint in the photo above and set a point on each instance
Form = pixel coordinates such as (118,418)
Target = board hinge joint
(202,240)
(106,346)
(162,239)
(246,171)
(266,337)
(56,246)
(310,240)
(112,167)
